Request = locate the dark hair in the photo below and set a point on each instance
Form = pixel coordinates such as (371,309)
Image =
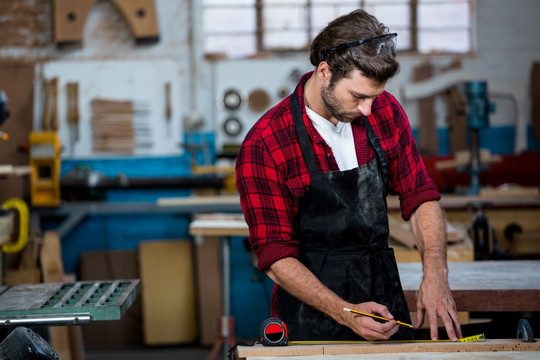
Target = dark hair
(354,26)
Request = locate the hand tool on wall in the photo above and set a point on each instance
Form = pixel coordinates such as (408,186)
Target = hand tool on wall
(45,162)
(168,108)
(73,114)
(50,116)
(20,206)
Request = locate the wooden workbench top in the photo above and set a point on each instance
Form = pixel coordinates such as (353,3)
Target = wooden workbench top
(448,201)
(483,285)
(477,275)
(352,350)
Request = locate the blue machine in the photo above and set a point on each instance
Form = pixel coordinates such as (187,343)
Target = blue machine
(477,111)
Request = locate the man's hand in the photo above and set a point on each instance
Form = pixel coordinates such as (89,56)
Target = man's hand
(434,296)
(369,328)
(293,276)
(435,299)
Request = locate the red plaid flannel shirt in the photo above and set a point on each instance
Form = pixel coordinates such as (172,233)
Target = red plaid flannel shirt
(271,174)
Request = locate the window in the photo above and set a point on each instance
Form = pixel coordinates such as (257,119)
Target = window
(243,28)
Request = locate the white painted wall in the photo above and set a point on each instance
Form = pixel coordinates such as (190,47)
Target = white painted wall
(507,45)
(109,64)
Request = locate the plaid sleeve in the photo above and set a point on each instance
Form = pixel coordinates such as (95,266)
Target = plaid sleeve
(408,176)
(266,203)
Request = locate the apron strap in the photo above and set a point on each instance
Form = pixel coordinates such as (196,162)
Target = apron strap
(302,133)
(375,143)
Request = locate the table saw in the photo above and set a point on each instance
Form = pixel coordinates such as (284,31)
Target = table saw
(77,303)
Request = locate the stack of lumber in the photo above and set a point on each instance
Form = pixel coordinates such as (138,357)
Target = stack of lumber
(401,232)
(112,126)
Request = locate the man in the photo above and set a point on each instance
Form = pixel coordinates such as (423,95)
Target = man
(313,174)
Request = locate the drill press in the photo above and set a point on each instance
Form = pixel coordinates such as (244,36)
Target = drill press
(477,111)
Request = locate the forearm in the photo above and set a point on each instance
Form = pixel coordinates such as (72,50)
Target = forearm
(429,229)
(434,296)
(295,278)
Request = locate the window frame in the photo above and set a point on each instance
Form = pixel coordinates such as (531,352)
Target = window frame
(413,28)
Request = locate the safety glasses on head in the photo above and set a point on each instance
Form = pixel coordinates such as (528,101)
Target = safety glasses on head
(371,46)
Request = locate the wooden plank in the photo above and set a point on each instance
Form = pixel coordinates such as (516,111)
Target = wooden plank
(495,345)
(458,251)
(52,270)
(69,19)
(209,288)
(526,244)
(501,355)
(200,200)
(142,18)
(429,139)
(401,232)
(51,258)
(112,126)
(455,109)
(208,227)
(168,292)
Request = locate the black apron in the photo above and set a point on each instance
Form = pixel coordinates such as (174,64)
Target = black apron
(342,226)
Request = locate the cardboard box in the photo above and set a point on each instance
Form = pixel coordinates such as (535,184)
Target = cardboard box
(168,292)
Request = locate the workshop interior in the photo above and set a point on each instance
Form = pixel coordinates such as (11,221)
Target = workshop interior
(121,231)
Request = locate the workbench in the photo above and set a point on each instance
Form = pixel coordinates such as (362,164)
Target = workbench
(483,285)
(476,286)
(74,213)
(489,349)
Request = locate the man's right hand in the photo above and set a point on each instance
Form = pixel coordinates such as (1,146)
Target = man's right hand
(293,276)
(369,328)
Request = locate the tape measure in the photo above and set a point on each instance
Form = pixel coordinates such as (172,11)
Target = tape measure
(274,332)
(479,337)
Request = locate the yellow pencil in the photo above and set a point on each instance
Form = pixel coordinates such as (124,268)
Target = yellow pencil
(377,317)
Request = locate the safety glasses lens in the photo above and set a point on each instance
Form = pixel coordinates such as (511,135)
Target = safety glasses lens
(374,47)
(371,47)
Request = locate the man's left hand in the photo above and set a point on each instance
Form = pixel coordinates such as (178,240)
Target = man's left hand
(435,299)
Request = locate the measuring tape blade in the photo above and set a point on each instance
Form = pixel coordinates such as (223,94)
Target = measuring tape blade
(479,337)
(274,333)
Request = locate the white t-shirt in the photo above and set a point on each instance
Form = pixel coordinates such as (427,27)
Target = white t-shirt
(339,137)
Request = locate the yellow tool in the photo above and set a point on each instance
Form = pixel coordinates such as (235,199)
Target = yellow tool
(45,163)
(73,114)
(22,208)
